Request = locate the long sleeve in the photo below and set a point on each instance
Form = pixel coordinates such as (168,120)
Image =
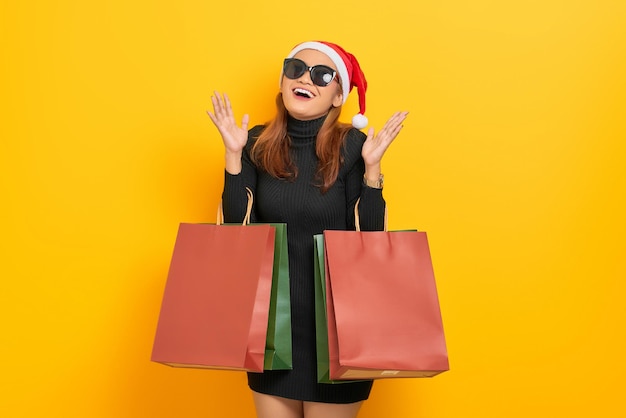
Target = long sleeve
(234,197)
(371,203)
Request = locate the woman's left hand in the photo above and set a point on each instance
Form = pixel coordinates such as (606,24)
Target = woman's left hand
(376,145)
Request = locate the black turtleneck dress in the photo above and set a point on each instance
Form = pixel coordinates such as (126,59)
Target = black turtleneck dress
(306,211)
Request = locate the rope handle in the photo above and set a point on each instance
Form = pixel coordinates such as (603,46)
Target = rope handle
(246,219)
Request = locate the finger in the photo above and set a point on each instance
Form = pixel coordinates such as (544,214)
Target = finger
(222,103)
(392,135)
(398,116)
(393,123)
(216,97)
(228,107)
(396,119)
(244,122)
(370,134)
(389,123)
(212,116)
(388,136)
(401,117)
(394,129)
(217,105)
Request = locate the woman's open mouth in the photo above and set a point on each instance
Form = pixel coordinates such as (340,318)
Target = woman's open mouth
(300,92)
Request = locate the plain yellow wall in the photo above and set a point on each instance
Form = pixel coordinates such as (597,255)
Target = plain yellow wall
(512,159)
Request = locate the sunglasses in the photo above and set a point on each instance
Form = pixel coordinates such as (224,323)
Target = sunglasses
(321,75)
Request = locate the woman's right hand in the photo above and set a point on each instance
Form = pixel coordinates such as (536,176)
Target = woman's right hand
(233,136)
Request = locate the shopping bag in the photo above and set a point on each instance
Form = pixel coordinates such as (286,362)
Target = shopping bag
(383,314)
(278,348)
(321,315)
(215,307)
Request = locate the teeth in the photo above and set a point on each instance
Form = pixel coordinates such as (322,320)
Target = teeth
(303,91)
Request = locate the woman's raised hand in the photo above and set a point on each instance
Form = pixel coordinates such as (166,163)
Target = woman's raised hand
(375,146)
(234,137)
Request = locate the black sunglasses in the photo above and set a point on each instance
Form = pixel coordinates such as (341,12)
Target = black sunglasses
(321,75)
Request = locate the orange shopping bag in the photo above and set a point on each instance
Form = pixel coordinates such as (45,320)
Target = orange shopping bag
(215,307)
(383,310)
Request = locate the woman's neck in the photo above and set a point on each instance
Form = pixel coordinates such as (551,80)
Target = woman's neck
(304,128)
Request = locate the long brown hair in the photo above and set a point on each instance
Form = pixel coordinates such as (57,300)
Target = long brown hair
(271,149)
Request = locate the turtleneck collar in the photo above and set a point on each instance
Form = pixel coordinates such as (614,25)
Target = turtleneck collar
(304,129)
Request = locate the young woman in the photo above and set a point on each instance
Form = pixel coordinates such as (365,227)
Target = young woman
(308,170)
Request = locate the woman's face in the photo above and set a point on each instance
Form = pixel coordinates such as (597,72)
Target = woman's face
(305,100)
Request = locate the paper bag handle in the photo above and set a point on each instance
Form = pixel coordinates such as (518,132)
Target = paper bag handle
(357,222)
(246,219)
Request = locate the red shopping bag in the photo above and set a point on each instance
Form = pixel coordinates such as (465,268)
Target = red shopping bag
(215,306)
(384,319)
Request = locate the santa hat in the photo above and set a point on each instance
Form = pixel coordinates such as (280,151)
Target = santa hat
(349,72)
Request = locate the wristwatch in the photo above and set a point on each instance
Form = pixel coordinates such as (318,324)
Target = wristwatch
(378,184)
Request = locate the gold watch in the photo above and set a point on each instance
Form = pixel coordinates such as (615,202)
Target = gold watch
(378,184)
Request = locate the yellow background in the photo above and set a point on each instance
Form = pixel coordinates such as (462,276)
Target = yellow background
(513,160)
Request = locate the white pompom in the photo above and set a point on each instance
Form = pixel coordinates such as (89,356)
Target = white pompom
(359,121)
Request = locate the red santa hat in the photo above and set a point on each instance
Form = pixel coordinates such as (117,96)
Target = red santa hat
(349,71)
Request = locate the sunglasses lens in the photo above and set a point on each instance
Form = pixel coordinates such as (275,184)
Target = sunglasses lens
(294,68)
(322,75)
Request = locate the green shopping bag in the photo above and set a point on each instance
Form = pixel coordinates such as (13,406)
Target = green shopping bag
(278,348)
(321,318)
(278,354)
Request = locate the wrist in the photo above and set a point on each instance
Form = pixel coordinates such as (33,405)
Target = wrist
(376,183)
(372,172)
(233,162)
